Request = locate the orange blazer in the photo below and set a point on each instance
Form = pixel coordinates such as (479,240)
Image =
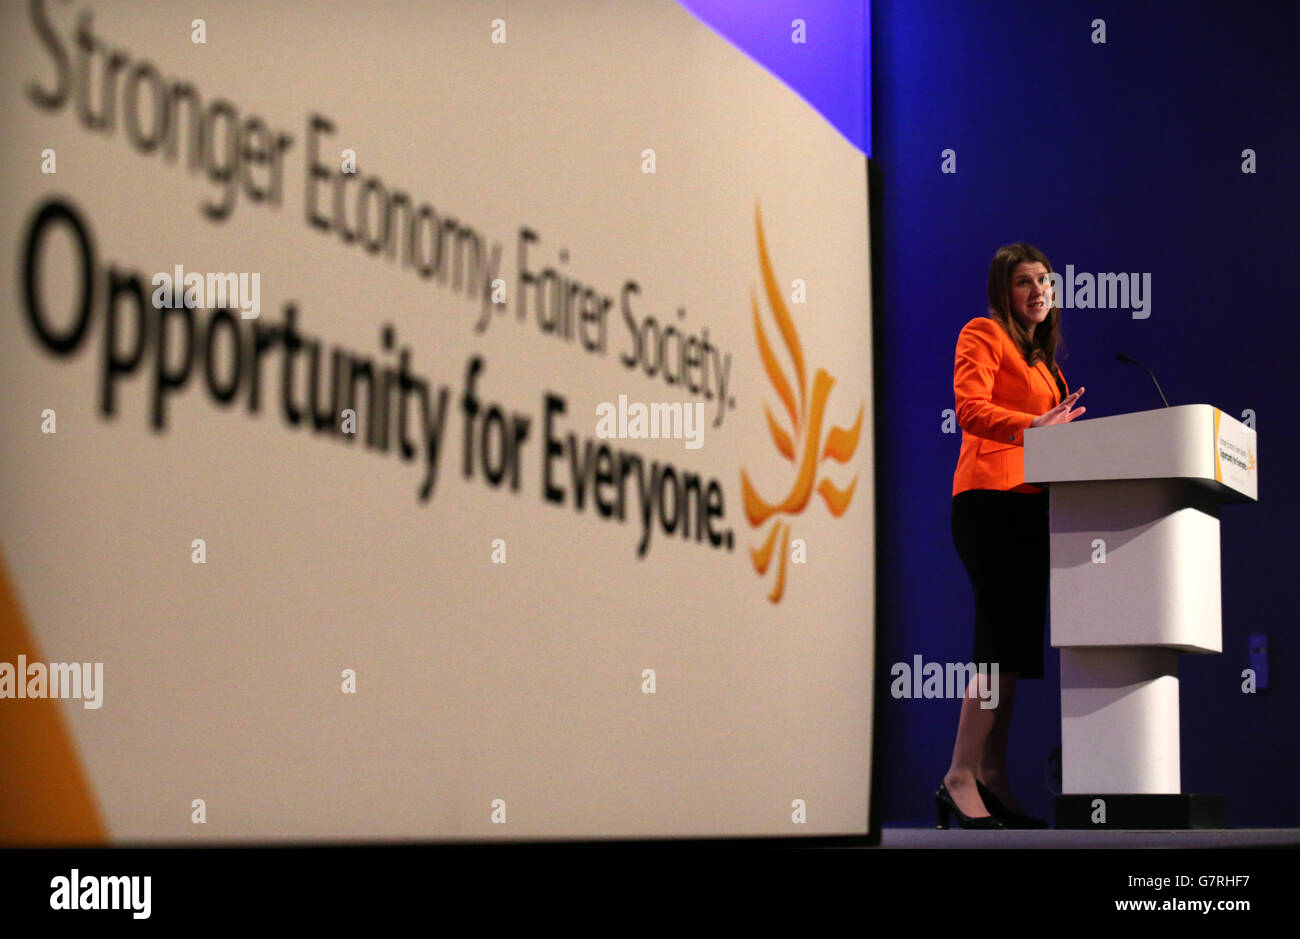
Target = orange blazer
(997,396)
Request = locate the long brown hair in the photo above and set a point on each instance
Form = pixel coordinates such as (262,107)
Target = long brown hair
(1042,346)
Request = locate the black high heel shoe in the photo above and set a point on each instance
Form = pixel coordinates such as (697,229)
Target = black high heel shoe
(1013,819)
(945,806)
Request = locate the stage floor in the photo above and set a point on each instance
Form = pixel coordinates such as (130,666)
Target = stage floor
(1050,838)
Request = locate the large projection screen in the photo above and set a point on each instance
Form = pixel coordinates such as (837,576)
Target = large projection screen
(335,337)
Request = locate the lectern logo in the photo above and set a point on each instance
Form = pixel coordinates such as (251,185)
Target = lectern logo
(804,436)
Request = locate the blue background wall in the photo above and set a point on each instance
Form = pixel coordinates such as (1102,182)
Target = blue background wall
(1117,157)
(1122,157)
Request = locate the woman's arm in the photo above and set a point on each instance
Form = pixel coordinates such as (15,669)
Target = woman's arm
(979,356)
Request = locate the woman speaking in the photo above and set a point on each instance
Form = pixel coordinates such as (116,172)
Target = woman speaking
(1005,379)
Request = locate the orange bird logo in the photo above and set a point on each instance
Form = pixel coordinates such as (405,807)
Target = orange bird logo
(802,443)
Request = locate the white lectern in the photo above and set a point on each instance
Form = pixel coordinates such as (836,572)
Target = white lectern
(1134,502)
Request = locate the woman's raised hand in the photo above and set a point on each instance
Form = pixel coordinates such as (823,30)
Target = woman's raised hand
(1061,414)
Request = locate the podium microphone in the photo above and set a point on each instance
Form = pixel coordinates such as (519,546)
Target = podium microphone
(1124,358)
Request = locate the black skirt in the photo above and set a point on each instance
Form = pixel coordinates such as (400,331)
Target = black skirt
(1002,539)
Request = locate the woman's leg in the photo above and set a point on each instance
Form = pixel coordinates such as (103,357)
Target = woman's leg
(992,770)
(974,728)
